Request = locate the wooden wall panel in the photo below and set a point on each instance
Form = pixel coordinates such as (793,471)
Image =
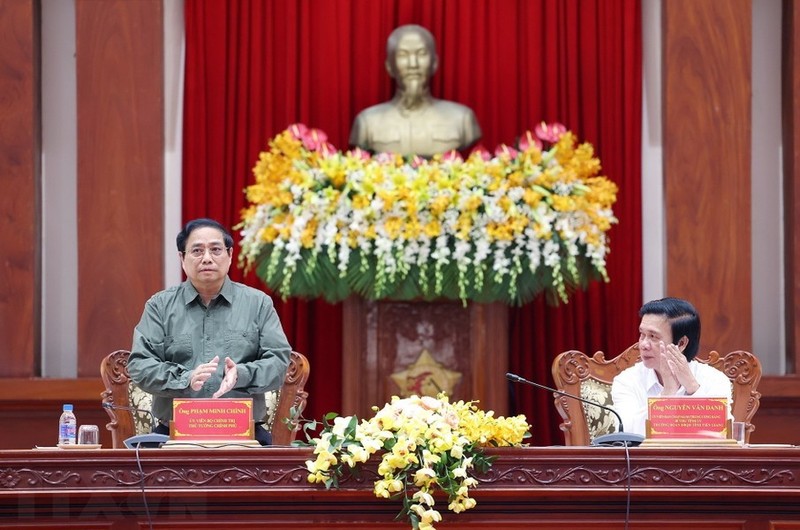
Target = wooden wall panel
(778,418)
(791,181)
(707,126)
(19,200)
(33,406)
(120,103)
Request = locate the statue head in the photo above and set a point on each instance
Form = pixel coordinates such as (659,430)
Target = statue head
(413,121)
(411,58)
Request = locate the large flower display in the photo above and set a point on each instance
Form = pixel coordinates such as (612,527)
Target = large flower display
(425,444)
(507,226)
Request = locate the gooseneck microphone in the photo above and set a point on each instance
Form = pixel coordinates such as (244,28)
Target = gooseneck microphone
(149,439)
(615,438)
(132,409)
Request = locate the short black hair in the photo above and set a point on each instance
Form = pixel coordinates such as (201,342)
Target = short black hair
(194,224)
(683,318)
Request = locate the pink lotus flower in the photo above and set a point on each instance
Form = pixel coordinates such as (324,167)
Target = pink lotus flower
(452,156)
(326,149)
(384,158)
(550,132)
(298,130)
(505,151)
(481,152)
(528,140)
(359,153)
(313,138)
(416,161)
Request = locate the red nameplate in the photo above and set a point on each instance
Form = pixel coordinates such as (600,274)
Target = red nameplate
(687,417)
(212,419)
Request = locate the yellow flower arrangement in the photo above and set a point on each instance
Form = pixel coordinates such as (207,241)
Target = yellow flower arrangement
(501,227)
(425,444)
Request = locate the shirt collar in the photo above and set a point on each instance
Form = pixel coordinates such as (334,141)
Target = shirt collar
(651,381)
(190,294)
(227,290)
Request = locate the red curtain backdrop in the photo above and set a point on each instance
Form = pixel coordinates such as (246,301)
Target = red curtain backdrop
(253,67)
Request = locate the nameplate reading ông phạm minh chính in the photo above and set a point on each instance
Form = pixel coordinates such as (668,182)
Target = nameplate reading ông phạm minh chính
(210,422)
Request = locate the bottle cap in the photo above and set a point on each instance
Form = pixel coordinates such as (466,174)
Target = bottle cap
(67,407)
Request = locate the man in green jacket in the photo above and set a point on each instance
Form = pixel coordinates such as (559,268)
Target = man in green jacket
(208,337)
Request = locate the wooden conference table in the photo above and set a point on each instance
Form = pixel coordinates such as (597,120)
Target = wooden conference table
(555,487)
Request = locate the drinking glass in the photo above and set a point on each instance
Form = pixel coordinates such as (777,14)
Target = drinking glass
(738,432)
(88,435)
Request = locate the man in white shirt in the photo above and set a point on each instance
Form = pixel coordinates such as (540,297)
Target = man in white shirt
(669,337)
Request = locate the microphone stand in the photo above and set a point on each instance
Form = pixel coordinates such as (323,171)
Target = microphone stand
(618,438)
(152,439)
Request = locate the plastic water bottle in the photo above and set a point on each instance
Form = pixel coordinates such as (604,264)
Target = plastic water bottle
(67,426)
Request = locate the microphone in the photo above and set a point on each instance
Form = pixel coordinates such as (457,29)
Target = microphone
(149,439)
(149,412)
(620,437)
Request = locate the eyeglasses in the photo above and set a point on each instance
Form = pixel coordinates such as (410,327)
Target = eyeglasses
(199,252)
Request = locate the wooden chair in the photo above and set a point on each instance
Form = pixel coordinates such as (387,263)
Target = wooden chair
(591,377)
(121,392)
(576,373)
(744,370)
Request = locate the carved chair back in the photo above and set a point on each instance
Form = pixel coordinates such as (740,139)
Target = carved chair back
(284,406)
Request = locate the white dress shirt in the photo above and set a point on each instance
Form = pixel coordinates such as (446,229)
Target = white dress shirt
(632,387)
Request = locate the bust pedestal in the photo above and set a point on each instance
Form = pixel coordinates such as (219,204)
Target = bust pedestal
(417,347)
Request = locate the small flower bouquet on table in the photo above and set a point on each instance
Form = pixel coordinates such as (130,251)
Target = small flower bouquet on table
(425,444)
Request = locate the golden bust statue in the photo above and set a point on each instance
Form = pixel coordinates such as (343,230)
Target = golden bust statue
(413,122)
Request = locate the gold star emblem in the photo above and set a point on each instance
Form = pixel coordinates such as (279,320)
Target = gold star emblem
(426,377)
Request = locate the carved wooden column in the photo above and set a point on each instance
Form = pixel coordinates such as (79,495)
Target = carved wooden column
(415,347)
